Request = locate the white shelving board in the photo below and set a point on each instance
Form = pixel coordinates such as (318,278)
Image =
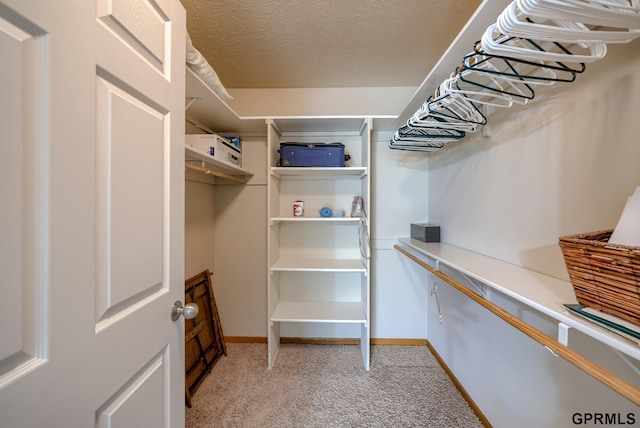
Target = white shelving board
(210,110)
(299,264)
(327,312)
(191,153)
(315,219)
(541,292)
(315,173)
(320,125)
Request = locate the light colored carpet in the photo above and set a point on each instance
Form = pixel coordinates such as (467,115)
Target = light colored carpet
(327,386)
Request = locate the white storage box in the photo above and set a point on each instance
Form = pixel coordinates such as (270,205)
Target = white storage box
(218,147)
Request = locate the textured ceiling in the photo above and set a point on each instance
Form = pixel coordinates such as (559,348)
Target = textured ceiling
(324,43)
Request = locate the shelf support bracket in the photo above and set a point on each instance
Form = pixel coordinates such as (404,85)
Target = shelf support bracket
(563,333)
(191,101)
(470,281)
(563,337)
(434,293)
(474,284)
(628,362)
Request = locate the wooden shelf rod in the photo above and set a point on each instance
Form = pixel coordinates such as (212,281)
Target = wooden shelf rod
(611,380)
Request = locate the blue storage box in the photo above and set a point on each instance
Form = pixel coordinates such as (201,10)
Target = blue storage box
(312,155)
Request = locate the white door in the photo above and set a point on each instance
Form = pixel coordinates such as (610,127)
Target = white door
(91,213)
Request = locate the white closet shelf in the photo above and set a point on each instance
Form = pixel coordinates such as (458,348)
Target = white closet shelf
(308,219)
(321,312)
(309,264)
(315,173)
(193,154)
(206,108)
(319,125)
(541,292)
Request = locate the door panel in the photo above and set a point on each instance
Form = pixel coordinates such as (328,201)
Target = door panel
(146,390)
(139,24)
(22,186)
(131,146)
(92,184)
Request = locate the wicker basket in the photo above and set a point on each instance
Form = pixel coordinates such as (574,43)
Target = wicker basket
(605,276)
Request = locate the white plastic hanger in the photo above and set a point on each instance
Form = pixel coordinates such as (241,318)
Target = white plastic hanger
(611,13)
(493,42)
(516,70)
(422,118)
(433,117)
(416,147)
(401,140)
(425,119)
(477,94)
(454,107)
(419,133)
(514,21)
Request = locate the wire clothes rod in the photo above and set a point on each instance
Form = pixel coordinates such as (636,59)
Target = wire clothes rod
(609,379)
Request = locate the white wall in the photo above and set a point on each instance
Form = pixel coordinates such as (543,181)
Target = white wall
(199,225)
(240,246)
(564,164)
(225,232)
(320,101)
(399,198)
